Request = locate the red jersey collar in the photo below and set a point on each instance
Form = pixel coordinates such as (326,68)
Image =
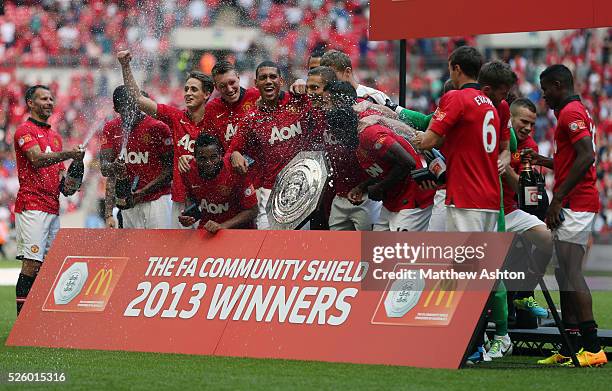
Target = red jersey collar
(39,123)
(475,86)
(567,101)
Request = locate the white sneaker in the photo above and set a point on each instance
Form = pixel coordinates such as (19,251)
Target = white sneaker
(487,342)
(501,346)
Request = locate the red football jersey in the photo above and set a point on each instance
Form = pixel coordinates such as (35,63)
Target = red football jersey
(342,160)
(374,142)
(503,110)
(574,123)
(222,197)
(184,133)
(274,137)
(38,187)
(470,123)
(222,119)
(510,200)
(146,143)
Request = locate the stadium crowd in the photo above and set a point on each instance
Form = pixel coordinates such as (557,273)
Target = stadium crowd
(210,153)
(87,34)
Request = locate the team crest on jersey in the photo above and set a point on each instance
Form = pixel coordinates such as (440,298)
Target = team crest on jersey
(249,191)
(292,109)
(362,153)
(516,156)
(56,143)
(223,190)
(35,249)
(576,125)
(379,143)
(439,114)
(248,106)
(168,141)
(146,138)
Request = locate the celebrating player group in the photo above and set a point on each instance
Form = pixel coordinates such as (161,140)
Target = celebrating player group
(214,164)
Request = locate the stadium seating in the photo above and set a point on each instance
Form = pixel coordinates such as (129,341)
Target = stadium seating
(85,35)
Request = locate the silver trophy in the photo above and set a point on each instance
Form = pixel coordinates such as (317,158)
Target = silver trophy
(297,191)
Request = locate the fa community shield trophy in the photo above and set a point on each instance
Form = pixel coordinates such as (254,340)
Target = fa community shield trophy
(297,191)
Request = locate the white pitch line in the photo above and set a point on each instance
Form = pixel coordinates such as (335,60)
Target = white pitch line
(8,277)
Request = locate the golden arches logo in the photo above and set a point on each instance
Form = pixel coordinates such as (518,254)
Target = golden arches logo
(102,276)
(443,287)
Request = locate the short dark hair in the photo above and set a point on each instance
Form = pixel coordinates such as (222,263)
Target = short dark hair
(469,60)
(560,73)
(448,86)
(122,97)
(317,52)
(497,74)
(326,73)
(205,140)
(268,64)
(222,67)
(343,91)
(29,94)
(523,102)
(205,80)
(336,59)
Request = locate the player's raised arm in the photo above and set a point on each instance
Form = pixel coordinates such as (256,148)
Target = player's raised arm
(147,105)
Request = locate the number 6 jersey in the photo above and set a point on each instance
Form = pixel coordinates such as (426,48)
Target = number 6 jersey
(470,123)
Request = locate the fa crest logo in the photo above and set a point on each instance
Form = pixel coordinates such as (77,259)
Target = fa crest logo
(224,190)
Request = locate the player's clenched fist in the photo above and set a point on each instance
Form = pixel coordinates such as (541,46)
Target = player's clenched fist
(184,162)
(186,221)
(355,196)
(124,57)
(212,226)
(239,163)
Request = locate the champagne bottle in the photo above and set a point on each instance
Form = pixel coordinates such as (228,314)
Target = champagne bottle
(74,177)
(71,183)
(436,163)
(122,188)
(528,194)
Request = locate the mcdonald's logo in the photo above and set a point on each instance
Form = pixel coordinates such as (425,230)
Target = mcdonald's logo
(442,287)
(102,276)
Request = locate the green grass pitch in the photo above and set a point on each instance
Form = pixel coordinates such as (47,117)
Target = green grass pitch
(86,369)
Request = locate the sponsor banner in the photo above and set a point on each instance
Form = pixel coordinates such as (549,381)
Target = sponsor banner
(264,294)
(404,19)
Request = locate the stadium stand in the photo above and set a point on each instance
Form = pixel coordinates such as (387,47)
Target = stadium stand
(36,37)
